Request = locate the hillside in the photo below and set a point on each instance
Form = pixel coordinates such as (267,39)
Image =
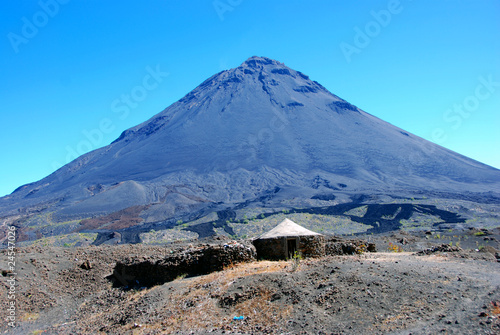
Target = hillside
(261,138)
(445,289)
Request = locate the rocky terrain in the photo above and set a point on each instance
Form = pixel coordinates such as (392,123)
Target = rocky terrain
(415,283)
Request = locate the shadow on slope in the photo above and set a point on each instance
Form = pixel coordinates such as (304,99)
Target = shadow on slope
(382,217)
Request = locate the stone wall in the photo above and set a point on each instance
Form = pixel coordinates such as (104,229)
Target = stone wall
(207,258)
(337,246)
(312,246)
(272,248)
(202,259)
(275,248)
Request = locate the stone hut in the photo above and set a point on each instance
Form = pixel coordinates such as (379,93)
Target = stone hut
(282,241)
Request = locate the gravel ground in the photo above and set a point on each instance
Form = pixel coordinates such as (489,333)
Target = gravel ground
(67,291)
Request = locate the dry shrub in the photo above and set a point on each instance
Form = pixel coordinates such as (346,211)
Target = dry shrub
(30,317)
(247,269)
(495,308)
(394,247)
(194,310)
(260,310)
(194,305)
(400,317)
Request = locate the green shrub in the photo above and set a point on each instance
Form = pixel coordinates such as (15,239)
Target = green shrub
(295,261)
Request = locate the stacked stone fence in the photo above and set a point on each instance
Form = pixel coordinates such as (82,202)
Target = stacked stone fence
(199,260)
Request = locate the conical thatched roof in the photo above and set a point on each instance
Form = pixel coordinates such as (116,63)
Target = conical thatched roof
(287,228)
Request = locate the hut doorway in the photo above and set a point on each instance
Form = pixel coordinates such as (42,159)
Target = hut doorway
(291,247)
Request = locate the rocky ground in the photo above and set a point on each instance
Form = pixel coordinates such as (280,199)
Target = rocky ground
(415,284)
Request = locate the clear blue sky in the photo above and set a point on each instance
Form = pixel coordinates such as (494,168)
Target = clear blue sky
(431,67)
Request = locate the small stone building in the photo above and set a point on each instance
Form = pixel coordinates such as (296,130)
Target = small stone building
(282,241)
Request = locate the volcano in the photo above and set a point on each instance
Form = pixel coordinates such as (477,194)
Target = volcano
(256,135)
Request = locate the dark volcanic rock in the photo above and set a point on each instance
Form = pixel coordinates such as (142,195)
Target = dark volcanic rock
(440,248)
(337,246)
(193,261)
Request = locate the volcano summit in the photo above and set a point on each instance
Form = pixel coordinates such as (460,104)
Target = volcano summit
(260,136)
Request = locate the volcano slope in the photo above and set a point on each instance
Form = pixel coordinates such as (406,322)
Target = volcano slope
(248,143)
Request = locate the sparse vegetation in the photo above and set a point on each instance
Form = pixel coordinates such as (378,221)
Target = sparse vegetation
(65,240)
(326,224)
(418,221)
(168,235)
(181,276)
(295,261)
(195,307)
(495,308)
(361,249)
(394,247)
(266,296)
(30,317)
(358,211)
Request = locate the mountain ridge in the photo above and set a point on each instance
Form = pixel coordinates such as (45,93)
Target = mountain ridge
(239,134)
